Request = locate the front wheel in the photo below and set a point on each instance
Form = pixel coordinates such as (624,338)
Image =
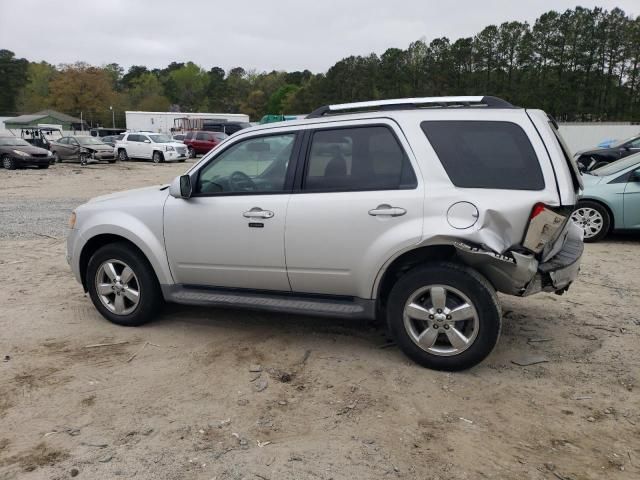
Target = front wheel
(84,159)
(593,218)
(192,153)
(122,285)
(444,316)
(157,157)
(8,162)
(122,155)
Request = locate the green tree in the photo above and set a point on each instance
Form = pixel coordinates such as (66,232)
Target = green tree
(13,75)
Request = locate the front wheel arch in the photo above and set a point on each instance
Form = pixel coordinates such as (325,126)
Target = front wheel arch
(96,243)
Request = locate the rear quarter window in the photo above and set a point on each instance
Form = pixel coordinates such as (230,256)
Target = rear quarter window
(485,154)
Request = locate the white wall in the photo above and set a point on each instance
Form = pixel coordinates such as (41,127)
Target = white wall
(583,136)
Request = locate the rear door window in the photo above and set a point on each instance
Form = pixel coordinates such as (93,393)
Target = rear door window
(357,158)
(485,154)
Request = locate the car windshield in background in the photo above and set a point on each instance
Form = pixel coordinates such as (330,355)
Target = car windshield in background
(622,142)
(220,136)
(161,138)
(89,141)
(13,142)
(617,166)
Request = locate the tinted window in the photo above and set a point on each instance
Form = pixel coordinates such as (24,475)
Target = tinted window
(478,154)
(64,140)
(133,138)
(189,136)
(202,136)
(635,143)
(257,165)
(365,158)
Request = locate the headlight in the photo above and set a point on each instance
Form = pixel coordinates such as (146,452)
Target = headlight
(169,148)
(49,154)
(72,220)
(22,154)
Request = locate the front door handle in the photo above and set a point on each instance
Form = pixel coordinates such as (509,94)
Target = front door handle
(387,210)
(257,212)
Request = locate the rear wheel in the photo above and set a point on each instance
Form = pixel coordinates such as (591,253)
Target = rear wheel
(122,285)
(8,162)
(444,316)
(593,218)
(157,157)
(192,153)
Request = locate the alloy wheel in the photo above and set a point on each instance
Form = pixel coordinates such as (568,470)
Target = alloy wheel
(117,287)
(589,219)
(441,320)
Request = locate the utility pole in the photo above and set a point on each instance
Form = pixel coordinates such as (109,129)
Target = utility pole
(113,116)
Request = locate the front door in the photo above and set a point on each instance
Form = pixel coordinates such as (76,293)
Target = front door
(360,203)
(632,201)
(230,233)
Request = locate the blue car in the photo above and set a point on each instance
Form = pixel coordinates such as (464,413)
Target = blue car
(611,199)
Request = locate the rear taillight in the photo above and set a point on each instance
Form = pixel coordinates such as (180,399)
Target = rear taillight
(545,225)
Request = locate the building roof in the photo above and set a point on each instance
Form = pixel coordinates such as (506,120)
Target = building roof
(34,117)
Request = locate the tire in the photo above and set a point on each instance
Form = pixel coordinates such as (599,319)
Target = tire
(192,152)
(479,322)
(43,166)
(112,161)
(157,157)
(122,155)
(55,159)
(143,281)
(182,160)
(84,159)
(593,218)
(8,162)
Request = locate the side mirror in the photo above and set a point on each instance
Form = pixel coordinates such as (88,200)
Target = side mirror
(181,187)
(147,141)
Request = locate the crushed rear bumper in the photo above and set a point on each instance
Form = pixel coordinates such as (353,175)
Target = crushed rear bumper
(521,274)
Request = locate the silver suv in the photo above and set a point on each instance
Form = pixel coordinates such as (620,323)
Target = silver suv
(416,211)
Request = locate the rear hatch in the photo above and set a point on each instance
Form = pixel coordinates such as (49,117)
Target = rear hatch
(549,225)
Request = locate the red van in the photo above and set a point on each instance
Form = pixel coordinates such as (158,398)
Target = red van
(199,142)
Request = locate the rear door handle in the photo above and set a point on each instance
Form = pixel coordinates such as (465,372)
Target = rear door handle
(387,210)
(257,212)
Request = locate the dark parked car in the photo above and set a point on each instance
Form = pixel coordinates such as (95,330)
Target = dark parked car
(16,152)
(225,127)
(202,142)
(82,148)
(111,139)
(591,159)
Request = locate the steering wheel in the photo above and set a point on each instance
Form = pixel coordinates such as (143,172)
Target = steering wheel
(240,181)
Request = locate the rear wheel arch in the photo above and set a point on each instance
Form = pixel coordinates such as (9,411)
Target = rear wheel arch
(99,241)
(407,261)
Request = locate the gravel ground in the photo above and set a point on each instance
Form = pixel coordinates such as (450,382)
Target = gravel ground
(181,398)
(33,218)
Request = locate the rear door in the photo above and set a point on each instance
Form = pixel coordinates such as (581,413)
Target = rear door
(359,200)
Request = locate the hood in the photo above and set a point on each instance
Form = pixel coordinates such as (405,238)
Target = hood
(31,150)
(135,194)
(590,151)
(98,148)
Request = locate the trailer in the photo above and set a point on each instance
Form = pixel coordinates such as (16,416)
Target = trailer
(174,122)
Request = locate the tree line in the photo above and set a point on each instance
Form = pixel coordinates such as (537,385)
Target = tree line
(580,65)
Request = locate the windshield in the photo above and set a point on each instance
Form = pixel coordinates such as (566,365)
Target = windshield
(13,142)
(622,142)
(88,141)
(160,138)
(617,166)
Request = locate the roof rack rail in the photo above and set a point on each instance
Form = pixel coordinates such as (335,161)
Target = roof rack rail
(411,103)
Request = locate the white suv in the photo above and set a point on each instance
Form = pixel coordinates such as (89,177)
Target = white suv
(150,146)
(416,211)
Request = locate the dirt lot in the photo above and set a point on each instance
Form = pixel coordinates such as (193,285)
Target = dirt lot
(176,399)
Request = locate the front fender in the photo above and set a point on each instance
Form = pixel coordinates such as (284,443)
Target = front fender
(148,238)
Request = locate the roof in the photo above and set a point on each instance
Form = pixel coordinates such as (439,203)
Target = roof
(34,117)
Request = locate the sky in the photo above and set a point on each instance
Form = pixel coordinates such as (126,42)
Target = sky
(254,34)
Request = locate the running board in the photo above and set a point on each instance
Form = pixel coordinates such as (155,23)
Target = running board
(326,306)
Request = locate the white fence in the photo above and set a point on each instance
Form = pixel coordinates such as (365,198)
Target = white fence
(582,136)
